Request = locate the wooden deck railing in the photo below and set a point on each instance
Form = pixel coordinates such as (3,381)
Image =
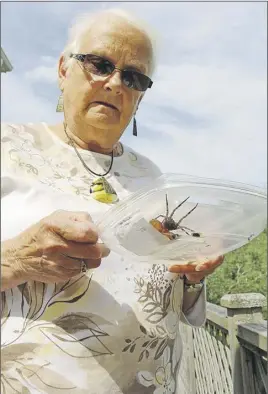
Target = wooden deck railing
(229,354)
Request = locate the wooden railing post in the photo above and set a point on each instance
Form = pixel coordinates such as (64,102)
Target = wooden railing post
(241,308)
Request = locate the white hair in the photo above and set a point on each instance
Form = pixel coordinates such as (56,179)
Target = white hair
(83,23)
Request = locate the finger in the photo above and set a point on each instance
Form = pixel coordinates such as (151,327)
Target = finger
(84,232)
(104,250)
(77,216)
(80,216)
(73,262)
(211,264)
(93,263)
(181,269)
(84,251)
(189,270)
(205,266)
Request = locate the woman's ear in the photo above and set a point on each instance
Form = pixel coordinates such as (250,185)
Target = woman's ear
(61,72)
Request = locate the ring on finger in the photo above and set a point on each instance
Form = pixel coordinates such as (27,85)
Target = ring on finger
(83,266)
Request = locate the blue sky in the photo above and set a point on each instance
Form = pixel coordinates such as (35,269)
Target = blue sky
(206,112)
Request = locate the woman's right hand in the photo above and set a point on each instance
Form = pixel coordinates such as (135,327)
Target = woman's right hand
(52,250)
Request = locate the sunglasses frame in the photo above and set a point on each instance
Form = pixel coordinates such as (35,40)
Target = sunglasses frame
(82,57)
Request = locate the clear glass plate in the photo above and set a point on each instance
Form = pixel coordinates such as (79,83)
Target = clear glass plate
(212,217)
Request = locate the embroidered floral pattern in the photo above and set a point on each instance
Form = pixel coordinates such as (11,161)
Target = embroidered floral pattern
(32,303)
(74,336)
(162,379)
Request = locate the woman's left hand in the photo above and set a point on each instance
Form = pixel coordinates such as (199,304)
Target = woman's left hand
(195,272)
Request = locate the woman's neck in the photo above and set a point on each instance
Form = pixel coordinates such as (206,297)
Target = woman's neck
(67,136)
(91,146)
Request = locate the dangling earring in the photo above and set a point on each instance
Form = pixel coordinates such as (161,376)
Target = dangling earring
(135,131)
(60,104)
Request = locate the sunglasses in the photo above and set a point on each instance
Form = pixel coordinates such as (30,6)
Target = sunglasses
(100,66)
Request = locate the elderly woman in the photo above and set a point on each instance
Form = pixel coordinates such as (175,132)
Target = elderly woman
(65,327)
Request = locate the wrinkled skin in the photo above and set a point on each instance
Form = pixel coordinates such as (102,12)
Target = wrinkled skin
(92,125)
(39,253)
(197,271)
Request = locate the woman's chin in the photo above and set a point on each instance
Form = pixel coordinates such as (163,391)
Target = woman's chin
(102,121)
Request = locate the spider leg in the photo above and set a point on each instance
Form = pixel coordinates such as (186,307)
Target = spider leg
(183,229)
(175,209)
(187,228)
(166,206)
(159,216)
(187,214)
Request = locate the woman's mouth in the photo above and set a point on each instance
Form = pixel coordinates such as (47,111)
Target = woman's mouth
(109,105)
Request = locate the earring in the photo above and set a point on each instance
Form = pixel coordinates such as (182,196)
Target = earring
(135,131)
(60,104)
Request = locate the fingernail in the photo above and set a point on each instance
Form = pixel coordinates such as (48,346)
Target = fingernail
(105,252)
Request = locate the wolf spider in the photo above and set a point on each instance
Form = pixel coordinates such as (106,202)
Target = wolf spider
(169,224)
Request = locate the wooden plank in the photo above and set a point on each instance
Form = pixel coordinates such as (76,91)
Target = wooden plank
(217,309)
(249,361)
(212,361)
(253,349)
(223,365)
(223,350)
(217,315)
(204,381)
(208,367)
(254,333)
(199,386)
(208,340)
(200,389)
(261,374)
(215,362)
(199,377)
(247,383)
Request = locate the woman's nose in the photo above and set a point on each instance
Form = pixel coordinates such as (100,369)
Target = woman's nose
(114,82)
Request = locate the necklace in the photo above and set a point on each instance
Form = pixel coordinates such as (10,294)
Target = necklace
(81,159)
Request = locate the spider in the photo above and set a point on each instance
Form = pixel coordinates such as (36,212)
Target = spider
(168,224)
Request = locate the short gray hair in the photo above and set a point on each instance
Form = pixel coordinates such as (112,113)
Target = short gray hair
(83,23)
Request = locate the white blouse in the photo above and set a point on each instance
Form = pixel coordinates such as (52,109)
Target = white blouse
(113,330)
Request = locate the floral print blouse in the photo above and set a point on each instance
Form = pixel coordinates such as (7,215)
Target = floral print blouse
(112,330)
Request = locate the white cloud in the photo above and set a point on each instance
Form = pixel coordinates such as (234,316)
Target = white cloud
(224,95)
(232,144)
(20,103)
(42,74)
(48,60)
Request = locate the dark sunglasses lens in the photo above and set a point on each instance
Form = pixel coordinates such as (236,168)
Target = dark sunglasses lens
(135,80)
(98,66)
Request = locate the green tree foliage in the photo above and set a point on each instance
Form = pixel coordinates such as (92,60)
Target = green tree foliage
(243,271)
